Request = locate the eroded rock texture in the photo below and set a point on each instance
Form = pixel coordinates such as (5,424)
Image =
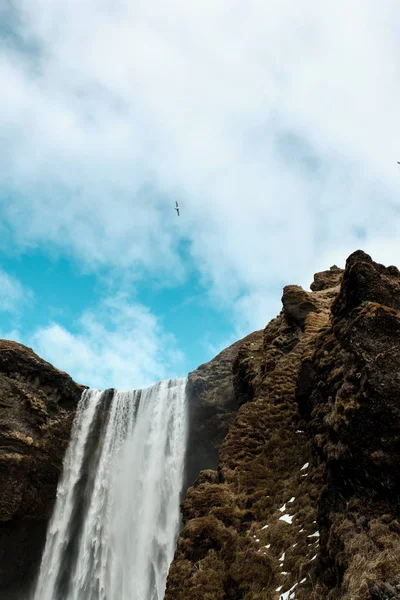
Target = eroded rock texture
(37,405)
(306,493)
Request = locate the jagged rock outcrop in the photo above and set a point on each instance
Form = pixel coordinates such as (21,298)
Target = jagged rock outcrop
(353,411)
(305,496)
(37,405)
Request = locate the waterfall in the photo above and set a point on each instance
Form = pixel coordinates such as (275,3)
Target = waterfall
(116,518)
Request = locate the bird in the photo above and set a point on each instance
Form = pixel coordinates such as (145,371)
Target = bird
(177,208)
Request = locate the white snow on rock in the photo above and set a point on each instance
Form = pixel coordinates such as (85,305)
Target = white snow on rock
(286,518)
(292,499)
(283,508)
(305,466)
(289,595)
(282,558)
(265,527)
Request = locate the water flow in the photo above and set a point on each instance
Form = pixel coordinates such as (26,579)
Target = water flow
(113,532)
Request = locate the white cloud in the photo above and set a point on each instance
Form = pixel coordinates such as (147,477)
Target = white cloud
(275,123)
(119,345)
(12,294)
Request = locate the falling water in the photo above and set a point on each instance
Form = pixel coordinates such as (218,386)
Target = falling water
(116,518)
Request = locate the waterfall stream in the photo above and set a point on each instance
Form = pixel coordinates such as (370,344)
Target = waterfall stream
(116,518)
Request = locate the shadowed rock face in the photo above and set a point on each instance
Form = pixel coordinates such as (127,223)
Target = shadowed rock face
(306,491)
(212,406)
(36,412)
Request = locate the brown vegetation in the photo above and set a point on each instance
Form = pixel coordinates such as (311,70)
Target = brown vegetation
(320,389)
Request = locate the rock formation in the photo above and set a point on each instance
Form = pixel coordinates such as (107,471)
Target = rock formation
(213,404)
(36,411)
(304,501)
(296,432)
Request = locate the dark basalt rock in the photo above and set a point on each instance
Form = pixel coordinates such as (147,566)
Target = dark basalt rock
(37,405)
(354,417)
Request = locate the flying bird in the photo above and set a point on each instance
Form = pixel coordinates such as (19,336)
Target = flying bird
(177,208)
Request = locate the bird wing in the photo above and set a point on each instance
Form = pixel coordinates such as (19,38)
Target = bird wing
(177,210)
(176,204)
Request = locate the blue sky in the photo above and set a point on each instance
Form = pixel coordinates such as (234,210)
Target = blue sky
(274,124)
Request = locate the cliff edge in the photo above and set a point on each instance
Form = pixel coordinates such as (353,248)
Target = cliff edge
(304,501)
(37,404)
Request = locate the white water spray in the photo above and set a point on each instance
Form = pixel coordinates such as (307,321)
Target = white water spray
(113,532)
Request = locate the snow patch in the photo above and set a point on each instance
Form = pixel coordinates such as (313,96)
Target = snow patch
(286,518)
(289,595)
(305,466)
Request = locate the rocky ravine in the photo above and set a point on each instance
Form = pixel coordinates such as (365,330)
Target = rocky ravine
(37,405)
(304,502)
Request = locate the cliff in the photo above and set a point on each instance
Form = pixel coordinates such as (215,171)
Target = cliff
(295,430)
(36,411)
(304,500)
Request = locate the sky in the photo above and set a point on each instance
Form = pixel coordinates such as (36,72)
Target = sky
(275,126)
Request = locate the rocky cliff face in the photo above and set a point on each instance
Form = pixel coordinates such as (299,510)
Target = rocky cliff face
(297,430)
(213,404)
(37,405)
(304,501)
